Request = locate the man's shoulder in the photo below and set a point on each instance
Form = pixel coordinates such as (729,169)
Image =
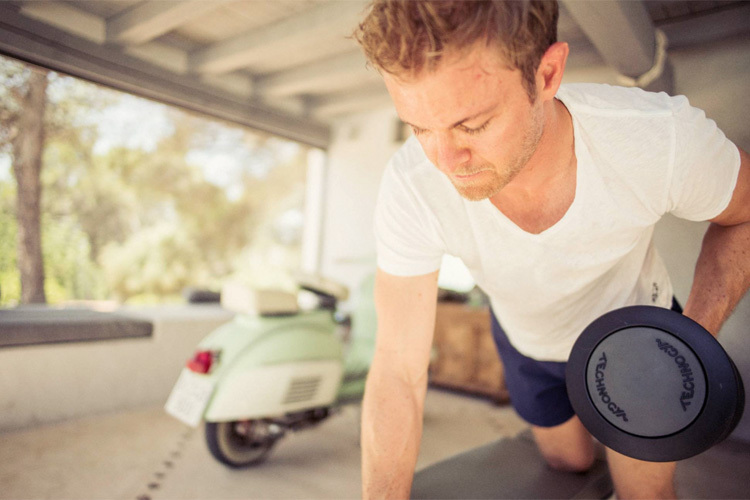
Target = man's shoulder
(411,175)
(409,156)
(596,98)
(410,164)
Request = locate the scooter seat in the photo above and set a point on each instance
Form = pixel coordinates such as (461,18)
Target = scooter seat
(319,284)
(508,468)
(242,299)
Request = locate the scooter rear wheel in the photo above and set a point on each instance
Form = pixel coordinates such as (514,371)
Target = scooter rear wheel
(239,444)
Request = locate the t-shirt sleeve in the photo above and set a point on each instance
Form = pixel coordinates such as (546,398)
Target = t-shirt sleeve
(705,168)
(406,233)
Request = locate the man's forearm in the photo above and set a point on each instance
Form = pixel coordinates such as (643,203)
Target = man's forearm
(391,432)
(722,275)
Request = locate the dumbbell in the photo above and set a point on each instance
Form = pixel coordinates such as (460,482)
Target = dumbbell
(653,384)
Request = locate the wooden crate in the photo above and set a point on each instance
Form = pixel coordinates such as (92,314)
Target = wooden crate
(465,357)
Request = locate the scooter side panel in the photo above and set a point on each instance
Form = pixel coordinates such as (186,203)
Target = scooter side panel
(268,391)
(261,379)
(244,332)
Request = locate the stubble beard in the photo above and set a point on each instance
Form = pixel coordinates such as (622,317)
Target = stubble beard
(497,179)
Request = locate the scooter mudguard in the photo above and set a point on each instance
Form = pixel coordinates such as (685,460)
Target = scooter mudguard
(270,366)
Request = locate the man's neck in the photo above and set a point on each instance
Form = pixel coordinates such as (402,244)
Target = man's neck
(552,157)
(545,188)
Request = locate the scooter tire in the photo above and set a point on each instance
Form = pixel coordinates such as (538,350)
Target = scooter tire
(234,449)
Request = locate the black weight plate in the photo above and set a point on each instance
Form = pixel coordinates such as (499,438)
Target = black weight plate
(740,405)
(653,384)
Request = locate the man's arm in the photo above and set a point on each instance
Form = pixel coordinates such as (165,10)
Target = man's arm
(722,274)
(396,385)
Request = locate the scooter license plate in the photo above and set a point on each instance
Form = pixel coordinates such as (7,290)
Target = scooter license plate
(189,397)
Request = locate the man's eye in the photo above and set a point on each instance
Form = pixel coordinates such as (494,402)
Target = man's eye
(416,130)
(472,131)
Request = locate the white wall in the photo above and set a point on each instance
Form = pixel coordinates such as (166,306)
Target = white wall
(49,383)
(714,77)
(361,146)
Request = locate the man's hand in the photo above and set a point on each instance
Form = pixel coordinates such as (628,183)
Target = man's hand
(396,385)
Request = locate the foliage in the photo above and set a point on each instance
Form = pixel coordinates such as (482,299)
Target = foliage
(193,203)
(70,272)
(13,76)
(10,280)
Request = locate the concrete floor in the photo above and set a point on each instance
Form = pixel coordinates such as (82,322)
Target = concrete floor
(147,455)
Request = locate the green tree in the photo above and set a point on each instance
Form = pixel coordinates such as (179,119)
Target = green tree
(142,221)
(43,132)
(24,131)
(10,282)
(186,230)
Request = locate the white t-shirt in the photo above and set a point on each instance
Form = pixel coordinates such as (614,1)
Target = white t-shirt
(640,155)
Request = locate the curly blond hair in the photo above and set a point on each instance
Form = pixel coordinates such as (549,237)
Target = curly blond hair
(405,37)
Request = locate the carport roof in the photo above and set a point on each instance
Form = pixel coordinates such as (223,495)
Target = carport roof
(286,67)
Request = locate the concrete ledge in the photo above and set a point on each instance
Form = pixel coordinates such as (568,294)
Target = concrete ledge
(25,326)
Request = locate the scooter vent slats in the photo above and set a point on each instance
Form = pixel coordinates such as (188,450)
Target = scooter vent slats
(302,389)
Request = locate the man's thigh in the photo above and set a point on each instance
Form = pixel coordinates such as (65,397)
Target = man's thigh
(537,388)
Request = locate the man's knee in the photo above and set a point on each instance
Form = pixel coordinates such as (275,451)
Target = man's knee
(570,461)
(566,447)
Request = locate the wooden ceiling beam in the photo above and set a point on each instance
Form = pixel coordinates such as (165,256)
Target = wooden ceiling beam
(150,20)
(341,71)
(330,20)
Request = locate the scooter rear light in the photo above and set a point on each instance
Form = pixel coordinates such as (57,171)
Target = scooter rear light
(202,361)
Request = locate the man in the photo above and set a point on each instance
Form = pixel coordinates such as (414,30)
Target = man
(549,195)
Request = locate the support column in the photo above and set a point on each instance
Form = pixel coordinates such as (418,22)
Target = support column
(622,32)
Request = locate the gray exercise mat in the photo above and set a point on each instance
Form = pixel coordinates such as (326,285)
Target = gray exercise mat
(507,468)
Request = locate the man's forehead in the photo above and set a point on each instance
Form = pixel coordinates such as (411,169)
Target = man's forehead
(448,98)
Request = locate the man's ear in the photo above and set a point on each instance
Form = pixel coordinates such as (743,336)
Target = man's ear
(550,71)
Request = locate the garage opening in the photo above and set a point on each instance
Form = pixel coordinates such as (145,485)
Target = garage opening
(139,202)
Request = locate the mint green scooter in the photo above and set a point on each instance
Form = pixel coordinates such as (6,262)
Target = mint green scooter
(276,367)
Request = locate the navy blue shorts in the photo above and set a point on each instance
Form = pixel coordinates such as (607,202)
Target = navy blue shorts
(537,388)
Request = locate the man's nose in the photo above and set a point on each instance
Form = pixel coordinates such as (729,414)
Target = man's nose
(450,153)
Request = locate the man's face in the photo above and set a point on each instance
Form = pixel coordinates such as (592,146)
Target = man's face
(473,118)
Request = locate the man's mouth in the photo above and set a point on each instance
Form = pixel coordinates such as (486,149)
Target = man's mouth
(467,175)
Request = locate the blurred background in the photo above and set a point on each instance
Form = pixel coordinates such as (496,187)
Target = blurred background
(151,149)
